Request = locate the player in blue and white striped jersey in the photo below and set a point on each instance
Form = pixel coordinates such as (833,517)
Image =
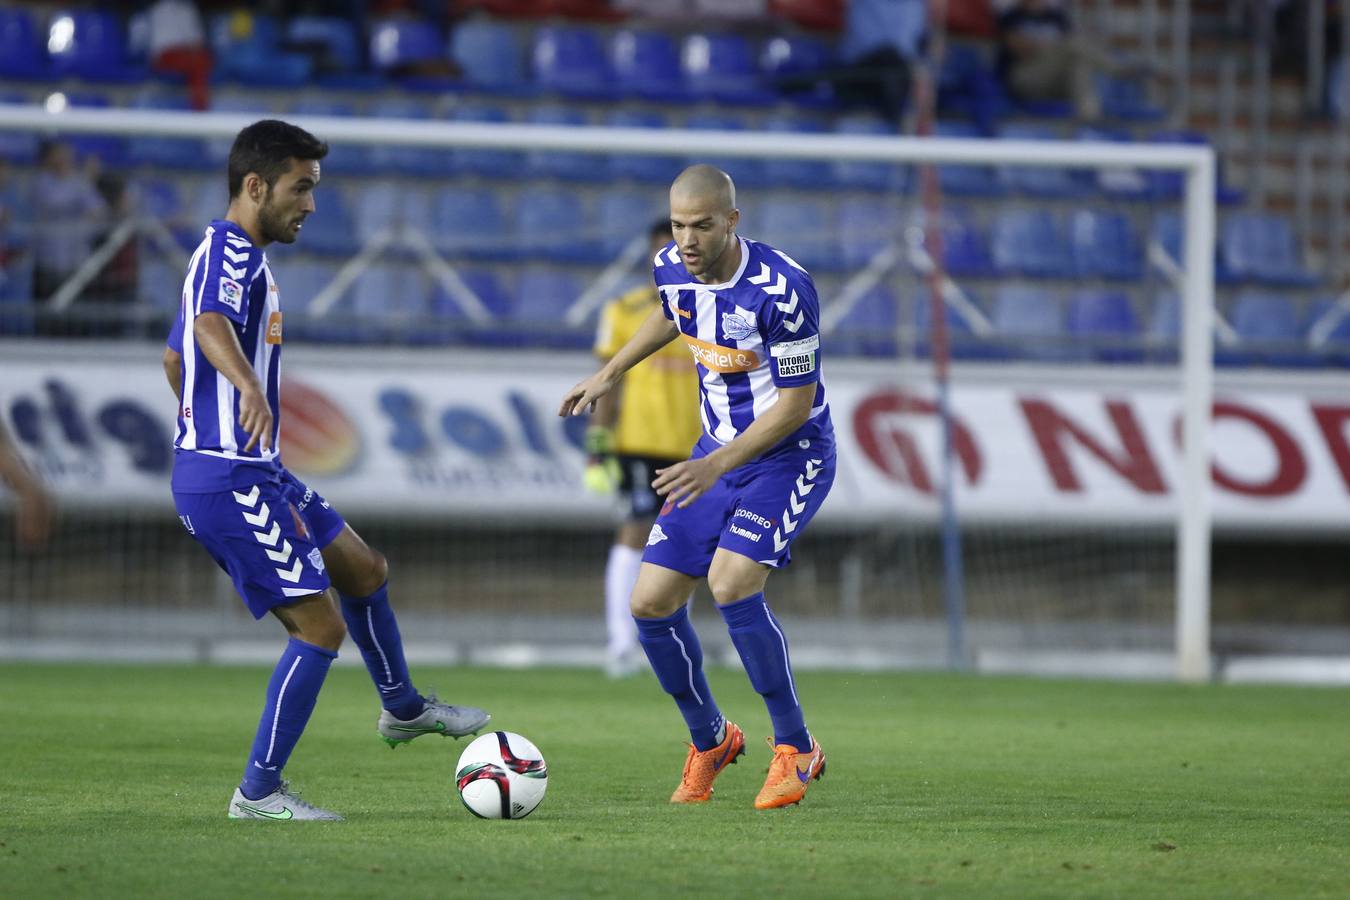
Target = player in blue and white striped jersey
(749,315)
(282,544)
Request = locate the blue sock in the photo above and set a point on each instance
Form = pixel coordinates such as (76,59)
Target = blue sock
(373,628)
(759,640)
(290,699)
(677,659)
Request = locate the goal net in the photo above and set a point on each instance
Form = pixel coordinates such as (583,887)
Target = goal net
(1017,344)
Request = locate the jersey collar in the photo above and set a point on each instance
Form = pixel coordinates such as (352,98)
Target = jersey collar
(745,260)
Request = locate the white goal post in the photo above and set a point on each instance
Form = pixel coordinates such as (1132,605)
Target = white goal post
(1196,163)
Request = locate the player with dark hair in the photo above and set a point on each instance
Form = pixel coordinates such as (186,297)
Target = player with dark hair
(647,422)
(757,476)
(281,543)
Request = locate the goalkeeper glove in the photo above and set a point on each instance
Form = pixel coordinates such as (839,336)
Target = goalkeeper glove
(602,473)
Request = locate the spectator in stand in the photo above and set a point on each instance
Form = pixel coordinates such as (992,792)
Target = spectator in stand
(115,285)
(178,44)
(67,214)
(15,219)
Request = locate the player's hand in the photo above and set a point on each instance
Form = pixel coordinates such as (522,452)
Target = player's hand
(34,517)
(582,397)
(686,481)
(255,417)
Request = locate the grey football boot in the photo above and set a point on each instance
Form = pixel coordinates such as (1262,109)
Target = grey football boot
(281,804)
(436,718)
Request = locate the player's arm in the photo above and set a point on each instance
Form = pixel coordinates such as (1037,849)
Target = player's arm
(655,333)
(33,517)
(685,481)
(215,335)
(173,370)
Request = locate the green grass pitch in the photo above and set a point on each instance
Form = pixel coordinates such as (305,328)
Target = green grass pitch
(115,781)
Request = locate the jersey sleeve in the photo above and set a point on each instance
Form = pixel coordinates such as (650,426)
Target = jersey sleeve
(662,275)
(791,332)
(230,268)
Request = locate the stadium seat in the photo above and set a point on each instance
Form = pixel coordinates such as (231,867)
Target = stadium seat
(489,56)
(332,42)
(377,208)
(342,159)
(1029,322)
(1106,326)
(468,222)
(1169,185)
(966,180)
(159,198)
(330,230)
(247,48)
(800,173)
(110,148)
(90,44)
(647,65)
(869,326)
(1262,247)
(965,251)
(1269,330)
(1125,99)
(487,285)
(794,55)
(1038,181)
(21,53)
(722,67)
(1030,242)
(405,160)
(1117,183)
(804,229)
(164,152)
(20,147)
(572,62)
(1336,347)
(562,164)
(391,300)
(874,176)
(867,225)
(543,296)
(745,171)
(624,215)
(1105,246)
(398,45)
(218,149)
(961,340)
(489,163)
(642,167)
(547,224)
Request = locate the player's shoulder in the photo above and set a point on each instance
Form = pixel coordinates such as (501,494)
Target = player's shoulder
(231,253)
(668,267)
(773,273)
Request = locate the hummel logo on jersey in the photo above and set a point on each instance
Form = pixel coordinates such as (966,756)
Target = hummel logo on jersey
(657,535)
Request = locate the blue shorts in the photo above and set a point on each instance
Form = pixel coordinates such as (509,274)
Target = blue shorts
(268,537)
(756,510)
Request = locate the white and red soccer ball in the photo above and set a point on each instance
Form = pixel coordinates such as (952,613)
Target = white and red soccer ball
(501,775)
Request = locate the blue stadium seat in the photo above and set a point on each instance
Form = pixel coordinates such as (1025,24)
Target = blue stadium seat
(1126,99)
(1037,181)
(804,229)
(1164,327)
(722,67)
(218,149)
(247,49)
(377,207)
(1029,322)
(1030,242)
(965,251)
(392,298)
(966,180)
(490,163)
(647,65)
(111,149)
(1117,183)
(490,57)
(405,160)
(961,340)
(571,61)
(1336,349)
(1105,246)
(21,53)
(397,44)
(1270,331)
(795,55)
(867,224)
(801,173)
(1167,233)
(625,214)
(332,40)
(1106,326)
(869,326)
(330,229)
(1262,247)
(158,284)
(342,159)
(1169,185)
(745,171)
(468,222)
(165,152)
(561,164)
(874,176)
(548,219)
(19,147)
(159,198)
(654,169)
(543,296)
(89,44)
(488,287)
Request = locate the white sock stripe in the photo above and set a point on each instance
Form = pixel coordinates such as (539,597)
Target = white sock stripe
(276,714)
(787,662)
(370,627)
(690,664)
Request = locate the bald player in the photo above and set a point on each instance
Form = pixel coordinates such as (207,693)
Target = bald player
(756,477)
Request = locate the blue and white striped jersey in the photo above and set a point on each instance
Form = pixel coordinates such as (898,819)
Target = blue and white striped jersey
(227,275)
(750,336)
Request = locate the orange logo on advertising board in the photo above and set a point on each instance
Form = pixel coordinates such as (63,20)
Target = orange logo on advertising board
(721,359)
(274,328)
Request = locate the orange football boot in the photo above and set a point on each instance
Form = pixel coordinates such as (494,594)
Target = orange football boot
(789,774)
(702,766)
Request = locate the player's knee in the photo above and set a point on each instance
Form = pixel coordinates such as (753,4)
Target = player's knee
(328,634)
(728,587)
(652,606)
(379,570)
(368,577)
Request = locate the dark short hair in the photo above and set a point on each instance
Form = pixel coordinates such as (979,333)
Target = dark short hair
(267,147)
(660,228)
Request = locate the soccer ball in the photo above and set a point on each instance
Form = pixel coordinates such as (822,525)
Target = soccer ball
(501,776)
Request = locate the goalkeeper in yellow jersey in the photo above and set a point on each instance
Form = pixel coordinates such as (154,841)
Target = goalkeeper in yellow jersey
(649,422)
